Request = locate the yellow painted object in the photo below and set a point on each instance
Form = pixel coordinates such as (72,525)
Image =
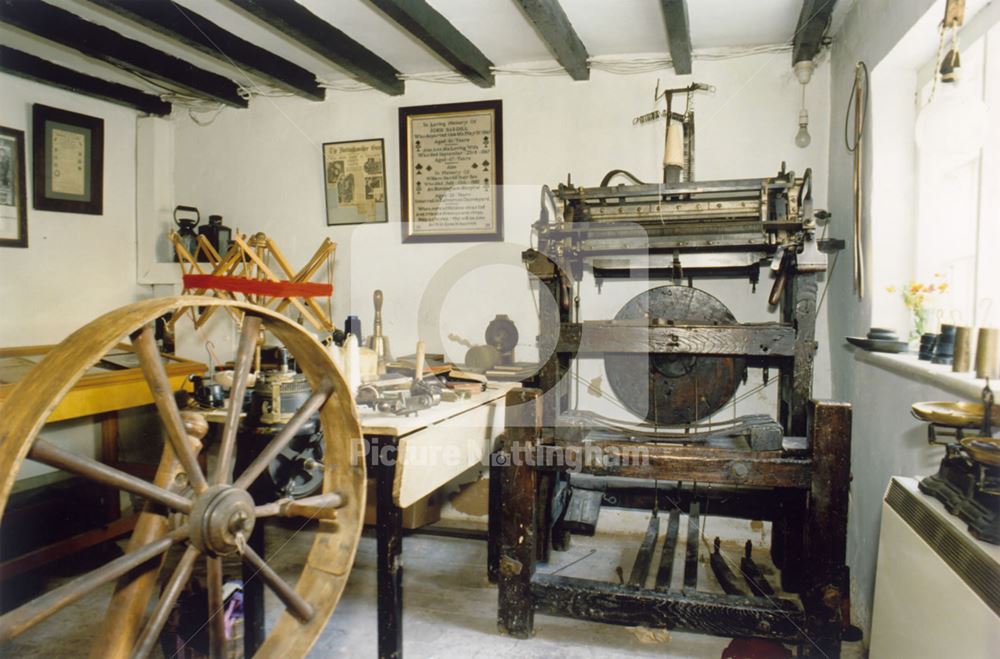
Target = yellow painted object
(98,391)
(959,414)
(985,450)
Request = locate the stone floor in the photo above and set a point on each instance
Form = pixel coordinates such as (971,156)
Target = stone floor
(450,608)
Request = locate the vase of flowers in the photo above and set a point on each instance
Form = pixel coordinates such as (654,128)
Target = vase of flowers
(918,298)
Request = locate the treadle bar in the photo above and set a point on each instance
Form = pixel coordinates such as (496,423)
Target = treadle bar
(706,613)
(727,579)
(640,569)
(691,549)
(758,583)
(669,549)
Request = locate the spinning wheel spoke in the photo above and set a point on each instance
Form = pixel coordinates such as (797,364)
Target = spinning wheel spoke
(244,357)
(171,592)
(52,455)
(15,622)
(216,610)
(163,396)
(218,517)
(321,506)
(312,404)
(296,604)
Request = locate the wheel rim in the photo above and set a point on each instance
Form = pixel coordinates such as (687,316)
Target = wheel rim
(219,513)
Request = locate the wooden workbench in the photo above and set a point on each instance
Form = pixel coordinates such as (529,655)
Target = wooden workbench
(410,457)
(116,383)
(111,385)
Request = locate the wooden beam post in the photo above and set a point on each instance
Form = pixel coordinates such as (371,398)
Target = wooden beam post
(518,480)
(558,34)
(830,443)
(23,65)
(325,40)
(191,29)
(96,41)
(435,31)
(675,15)
(814,19)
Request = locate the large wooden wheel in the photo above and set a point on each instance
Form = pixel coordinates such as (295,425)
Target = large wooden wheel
(211,514)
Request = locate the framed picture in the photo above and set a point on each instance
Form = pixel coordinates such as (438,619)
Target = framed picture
(451,169)
(68,161)
(13,196)
(354,175)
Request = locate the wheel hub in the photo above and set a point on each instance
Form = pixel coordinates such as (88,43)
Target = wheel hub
(667,388)
(221,520)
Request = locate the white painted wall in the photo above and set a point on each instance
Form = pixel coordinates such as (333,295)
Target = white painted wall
(261,169)
(76,267)
(894,38)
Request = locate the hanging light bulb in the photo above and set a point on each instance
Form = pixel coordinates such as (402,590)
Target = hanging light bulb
(802,138)
(952,126)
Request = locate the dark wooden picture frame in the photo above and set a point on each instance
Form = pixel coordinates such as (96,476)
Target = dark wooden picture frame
(344,173)
(13,189)
(412,168)
(67,161)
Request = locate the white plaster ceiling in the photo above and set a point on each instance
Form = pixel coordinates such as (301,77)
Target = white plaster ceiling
(497,27)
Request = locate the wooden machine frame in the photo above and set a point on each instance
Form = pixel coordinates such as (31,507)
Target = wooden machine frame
(801,487)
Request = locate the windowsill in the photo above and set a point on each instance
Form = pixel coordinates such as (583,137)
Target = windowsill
(939,375)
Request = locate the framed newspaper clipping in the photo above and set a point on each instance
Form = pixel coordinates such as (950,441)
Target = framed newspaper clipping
(354,177)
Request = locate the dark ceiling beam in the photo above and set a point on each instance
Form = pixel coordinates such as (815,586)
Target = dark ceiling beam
(183,25)
(328,42)
(100,43)
(675,15)
(557,32)
(814,19)
(21,64)
(437,33)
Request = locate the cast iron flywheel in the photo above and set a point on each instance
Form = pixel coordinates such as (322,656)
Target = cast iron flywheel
(670,389)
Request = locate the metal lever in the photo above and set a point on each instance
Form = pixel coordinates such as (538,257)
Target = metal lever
(780,265)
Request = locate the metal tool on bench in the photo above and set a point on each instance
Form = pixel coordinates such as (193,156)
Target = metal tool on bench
(421,395)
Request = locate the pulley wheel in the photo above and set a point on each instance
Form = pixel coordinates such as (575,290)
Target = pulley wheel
(204,515)
(670,389)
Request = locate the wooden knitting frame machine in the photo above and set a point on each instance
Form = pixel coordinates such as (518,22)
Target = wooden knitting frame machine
(792,470)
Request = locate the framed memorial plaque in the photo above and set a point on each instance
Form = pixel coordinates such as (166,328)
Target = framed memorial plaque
(451,170)
(354,175)
(13,199)
(68,161)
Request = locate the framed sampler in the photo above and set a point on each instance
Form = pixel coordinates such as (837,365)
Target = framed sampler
(354,178)
(67,161)
(13,197)
(451,171)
